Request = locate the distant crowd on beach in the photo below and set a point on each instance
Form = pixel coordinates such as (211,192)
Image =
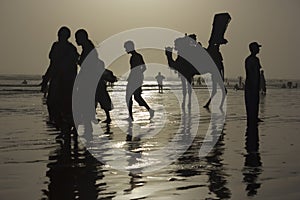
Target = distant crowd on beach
(58,81)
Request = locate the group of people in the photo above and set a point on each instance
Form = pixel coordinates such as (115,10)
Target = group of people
(61,75)
(59,79)
(63,69)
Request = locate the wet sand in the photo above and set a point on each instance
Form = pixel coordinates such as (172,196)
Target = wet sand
(34,165)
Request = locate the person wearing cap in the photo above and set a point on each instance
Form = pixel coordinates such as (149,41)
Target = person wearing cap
(252,83)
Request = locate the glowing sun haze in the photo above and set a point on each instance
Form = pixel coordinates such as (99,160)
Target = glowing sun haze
(28,29)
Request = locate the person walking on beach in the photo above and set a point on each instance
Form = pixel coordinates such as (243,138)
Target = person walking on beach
(263,89)
(61,74)
(252,83)
(159,78)
(88,49)
(135,80)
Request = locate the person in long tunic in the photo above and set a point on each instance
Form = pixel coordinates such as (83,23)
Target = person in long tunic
(61,74)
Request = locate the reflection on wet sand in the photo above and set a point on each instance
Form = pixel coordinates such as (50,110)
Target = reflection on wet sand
(216,171)
(253,163)
(212,163)
(74,173)
(134,149)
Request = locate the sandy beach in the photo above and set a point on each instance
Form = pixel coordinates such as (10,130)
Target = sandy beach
(35,165)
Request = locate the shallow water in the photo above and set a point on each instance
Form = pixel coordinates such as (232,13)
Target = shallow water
(34,165)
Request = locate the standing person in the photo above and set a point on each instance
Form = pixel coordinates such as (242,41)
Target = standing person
(263,89)
(102,95)
(61,74)
(252,83)
(160,79)
(135,80)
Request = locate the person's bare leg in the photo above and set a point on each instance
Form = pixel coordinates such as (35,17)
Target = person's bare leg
(183,83)
(108,119)
(189,86)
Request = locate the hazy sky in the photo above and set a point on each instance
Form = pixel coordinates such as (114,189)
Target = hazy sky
(29,27)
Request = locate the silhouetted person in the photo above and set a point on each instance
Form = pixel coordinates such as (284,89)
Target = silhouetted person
(220,24)
(199,81)
(263,89)
(159,78)
(252,83)
(102,95)
(44,87)
(135,80)
(214,52)
(61,74)
(240,80)
(252,160)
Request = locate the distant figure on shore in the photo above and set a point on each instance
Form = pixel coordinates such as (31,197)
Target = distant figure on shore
(135,80)
(24,82)
(289,84)
(102,95)
(159,78)
(45,87)
(199,81)
(283,85)
(263,89)
(252,83)
(61,74)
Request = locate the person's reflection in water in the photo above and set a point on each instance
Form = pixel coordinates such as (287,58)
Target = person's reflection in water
(216,172)
(253,162)
(108,132)
(190,156)
(134,147)
(73,173)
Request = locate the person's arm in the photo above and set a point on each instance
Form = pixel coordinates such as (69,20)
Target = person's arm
(109,76)
(50,70)
(142,64)
(258,63)
(81,58)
